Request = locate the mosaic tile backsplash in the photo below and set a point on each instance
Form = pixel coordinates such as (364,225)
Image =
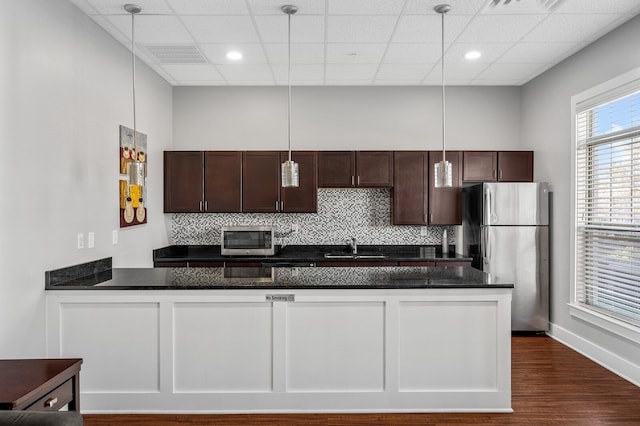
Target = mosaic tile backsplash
(342,214)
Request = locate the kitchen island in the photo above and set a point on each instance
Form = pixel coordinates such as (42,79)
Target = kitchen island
(223,340)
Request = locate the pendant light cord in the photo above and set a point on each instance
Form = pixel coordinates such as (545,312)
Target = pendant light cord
(443,99)
(289,84)
(133,60)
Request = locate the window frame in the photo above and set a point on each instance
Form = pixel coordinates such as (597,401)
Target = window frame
(614,88)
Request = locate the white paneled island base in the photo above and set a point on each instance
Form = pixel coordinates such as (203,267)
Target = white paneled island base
(228,351)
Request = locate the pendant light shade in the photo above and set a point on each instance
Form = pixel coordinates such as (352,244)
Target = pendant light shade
(135,169)
(290,177)
(443,169)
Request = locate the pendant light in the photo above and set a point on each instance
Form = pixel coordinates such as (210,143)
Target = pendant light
(135,168)
(290,177)
(443,169)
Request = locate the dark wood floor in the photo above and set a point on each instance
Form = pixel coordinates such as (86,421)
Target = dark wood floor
(552,384)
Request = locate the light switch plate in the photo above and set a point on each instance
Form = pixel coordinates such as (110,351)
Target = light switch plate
(91,239)
(80,241)
(114,237)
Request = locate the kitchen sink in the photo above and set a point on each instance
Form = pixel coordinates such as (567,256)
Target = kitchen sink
(353,256)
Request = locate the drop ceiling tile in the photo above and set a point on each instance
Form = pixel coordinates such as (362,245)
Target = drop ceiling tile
(458,7)
(307,53)
(162,73)
(499,28)
(599,6)
(351,72)
(252,83)
(221,29)
(217,53)
(531,53)
(413,53)
(208,7)
(346,53)
(300,83)
(456,71)
(299,73)
(304,29)
(116,7)
(428,29)
(153,29)
(403,72)
(358,29)
(113,30)
(415,82)
(526,7)
(571,28)
(499,82)
(236,73)
(343,82)
(84,6)
(365,7)
(509,71)
(192,72)
(274,7)
(490,52)
(456,82)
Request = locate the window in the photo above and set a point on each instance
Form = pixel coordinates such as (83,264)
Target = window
(607,204)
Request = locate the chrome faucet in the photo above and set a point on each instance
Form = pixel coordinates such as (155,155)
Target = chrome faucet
(354,245)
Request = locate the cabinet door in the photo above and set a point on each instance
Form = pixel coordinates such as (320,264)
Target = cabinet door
(481,166)
(374,169)
(222,181)
(260,181)
(410,188)
(183,181)
(445,204)
(303,199)
(515,166)
(336,169)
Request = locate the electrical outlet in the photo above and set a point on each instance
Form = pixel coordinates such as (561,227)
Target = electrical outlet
(91,239)
(423,231)
(114,237)
(80,241)
(294,227)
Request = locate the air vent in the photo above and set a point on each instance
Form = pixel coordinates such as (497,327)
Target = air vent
(176,54)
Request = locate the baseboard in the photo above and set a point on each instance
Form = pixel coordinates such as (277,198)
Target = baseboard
(612,362)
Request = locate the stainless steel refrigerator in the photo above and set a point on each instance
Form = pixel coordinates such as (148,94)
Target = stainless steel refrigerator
(506,232)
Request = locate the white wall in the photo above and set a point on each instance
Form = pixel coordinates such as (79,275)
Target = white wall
(352,118)
(66,87)
(546,128)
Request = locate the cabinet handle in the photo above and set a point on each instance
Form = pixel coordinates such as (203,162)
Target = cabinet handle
(281,206)
(206,206)
(426,219)
(358,180)
(431,218)
(500,174)
(494,174)
(352,181)
(200,206)
(277,206)
(51,402)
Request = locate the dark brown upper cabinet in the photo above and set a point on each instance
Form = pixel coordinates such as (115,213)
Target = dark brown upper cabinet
(498,166)
(410,188)
(515,166)
(223,181)
(261,191)
(303,199)
(445,204)
(196,181)
(352,169)
(261,181)
(183,184)
(480,166)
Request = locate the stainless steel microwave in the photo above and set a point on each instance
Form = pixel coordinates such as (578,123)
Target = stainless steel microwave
(247,240)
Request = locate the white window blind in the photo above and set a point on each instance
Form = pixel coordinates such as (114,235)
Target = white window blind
(608,206)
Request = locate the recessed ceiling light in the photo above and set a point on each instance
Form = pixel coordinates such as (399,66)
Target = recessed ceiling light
(234,55)
(472,54)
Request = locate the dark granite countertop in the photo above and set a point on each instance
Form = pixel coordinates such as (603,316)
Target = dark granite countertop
(275,278)
(308,253)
